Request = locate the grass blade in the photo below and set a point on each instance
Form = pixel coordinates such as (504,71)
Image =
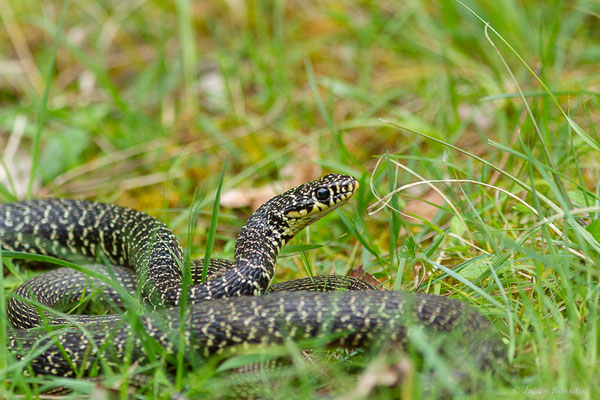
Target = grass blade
(42,110)
(212,229)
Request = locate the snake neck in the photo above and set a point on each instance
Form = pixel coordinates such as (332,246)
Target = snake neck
(257,247)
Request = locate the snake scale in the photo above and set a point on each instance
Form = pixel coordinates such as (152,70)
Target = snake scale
(234,308)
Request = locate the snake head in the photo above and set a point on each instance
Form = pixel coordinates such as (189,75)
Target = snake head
(311,201)
(282,217)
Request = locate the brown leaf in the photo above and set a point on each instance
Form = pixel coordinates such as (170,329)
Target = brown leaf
(359,273)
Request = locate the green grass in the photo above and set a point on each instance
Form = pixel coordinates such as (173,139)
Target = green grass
(142,103)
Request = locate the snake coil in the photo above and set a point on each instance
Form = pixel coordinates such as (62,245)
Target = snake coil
(232,309)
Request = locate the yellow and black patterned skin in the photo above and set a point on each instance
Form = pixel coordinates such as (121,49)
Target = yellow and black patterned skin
(65,287)
(348,318)
(133,239)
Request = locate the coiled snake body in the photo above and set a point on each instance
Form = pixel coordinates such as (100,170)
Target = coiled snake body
(229,310)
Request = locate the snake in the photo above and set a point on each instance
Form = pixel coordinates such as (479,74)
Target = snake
(238,307)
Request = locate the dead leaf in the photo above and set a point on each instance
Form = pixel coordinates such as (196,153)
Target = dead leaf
(359,273)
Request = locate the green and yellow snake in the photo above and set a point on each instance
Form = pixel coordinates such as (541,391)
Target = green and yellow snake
(237,306)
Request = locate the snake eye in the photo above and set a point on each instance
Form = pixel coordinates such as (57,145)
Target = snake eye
(322,194)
